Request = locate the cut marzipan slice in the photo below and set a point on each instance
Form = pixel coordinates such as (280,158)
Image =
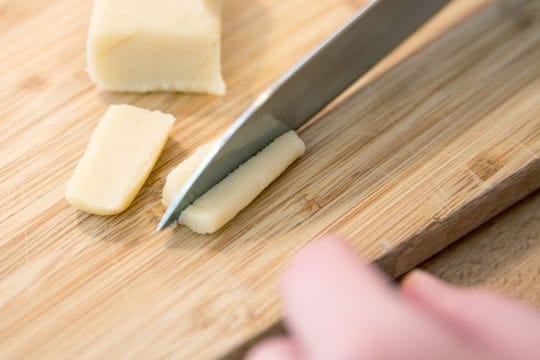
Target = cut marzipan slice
(122,151)
(225,200)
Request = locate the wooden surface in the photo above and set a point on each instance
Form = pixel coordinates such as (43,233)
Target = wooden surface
(433,148)
(502,255)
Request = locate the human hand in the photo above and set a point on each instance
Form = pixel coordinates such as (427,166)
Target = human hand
(337,308)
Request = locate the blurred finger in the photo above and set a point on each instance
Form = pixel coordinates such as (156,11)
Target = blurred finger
(340,308)
(273,349)
(501,324)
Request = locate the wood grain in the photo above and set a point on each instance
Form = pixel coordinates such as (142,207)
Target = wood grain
(433,147)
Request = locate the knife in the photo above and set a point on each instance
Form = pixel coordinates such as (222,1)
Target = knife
(306,89)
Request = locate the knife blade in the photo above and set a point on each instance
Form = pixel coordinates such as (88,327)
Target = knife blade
(377,29)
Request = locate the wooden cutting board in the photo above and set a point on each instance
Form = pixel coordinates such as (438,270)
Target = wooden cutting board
(416,156)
